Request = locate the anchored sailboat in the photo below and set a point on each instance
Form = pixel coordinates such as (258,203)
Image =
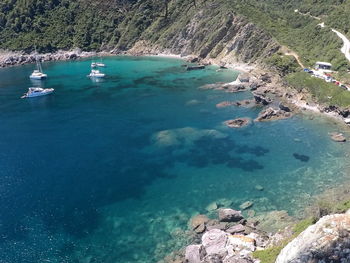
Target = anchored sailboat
(38,73)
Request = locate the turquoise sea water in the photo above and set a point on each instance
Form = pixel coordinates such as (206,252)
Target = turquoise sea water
(112,171)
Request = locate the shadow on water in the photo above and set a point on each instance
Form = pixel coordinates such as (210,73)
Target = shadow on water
(209,150)
(301,157)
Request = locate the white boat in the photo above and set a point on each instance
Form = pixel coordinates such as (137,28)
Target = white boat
(38,73)
(93,64)
(95,73)
(36,92)
(100,64)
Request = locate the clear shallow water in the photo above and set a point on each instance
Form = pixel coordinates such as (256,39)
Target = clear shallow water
(112,171)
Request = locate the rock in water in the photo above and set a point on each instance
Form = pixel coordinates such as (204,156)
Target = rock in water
(259,187)
(194,253)
(197,221)
(326,241)
(214,242)
(338,137)
(246,205)
(237,123)
(211,207)
(301,157)
(271,114)
(229,215)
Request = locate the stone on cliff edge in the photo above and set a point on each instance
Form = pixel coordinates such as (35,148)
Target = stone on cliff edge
(194,253)
(214,242)
(229,215)
(241,242)
(326,241)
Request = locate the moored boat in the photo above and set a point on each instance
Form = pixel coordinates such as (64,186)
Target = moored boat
(96,74)
(36,92)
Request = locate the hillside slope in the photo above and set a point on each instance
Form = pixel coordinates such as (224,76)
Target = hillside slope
(203,27)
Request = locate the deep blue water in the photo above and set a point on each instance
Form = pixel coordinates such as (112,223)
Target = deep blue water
(112,171)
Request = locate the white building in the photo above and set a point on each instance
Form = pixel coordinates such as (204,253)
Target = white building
(323,66)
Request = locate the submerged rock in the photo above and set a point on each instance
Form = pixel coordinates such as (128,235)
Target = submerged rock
(301,157)
(246,205)
(189,68)
(237,123)
(229,215)
(212,207)
(224,104)
(259,187)
(198,221)
(338,137)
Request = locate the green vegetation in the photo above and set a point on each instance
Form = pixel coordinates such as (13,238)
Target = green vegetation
(283,64)
(327,207)
(321,91)
(90,25)
(269,255)
(302,225)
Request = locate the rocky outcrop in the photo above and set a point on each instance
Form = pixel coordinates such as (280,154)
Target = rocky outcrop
(19,58)
(271,114)
(261,99)
(326,241)
(237,123)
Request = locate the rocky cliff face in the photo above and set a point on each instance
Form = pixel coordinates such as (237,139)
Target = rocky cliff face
(326,241)
(222,36)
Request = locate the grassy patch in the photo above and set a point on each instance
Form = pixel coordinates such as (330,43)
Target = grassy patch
(268,255)
(342,207)
(302,225)
(323,92)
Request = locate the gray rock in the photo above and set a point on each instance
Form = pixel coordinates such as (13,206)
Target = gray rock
(284,108)
(246,205)
(321,242)
(214,242)
(236,229)
(194,253)
(220,226)
(244,78)
(229,215)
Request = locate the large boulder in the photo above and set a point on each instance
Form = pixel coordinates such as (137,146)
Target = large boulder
(194,253)
(326,241)
(214,242)
(229,215)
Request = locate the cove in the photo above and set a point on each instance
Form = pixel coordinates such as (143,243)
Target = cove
(112,171)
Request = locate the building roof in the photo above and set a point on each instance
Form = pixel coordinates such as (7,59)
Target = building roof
(323,63)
